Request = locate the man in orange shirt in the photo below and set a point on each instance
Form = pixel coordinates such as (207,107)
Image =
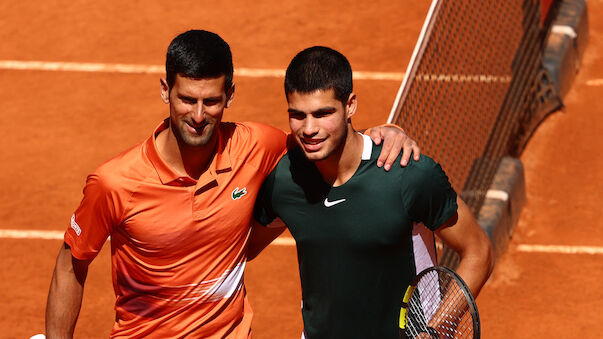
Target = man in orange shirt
(177,208)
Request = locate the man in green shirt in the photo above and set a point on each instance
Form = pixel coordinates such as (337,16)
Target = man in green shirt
(351,221)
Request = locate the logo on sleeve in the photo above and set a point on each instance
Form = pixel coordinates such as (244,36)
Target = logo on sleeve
(239,193)
(75,226)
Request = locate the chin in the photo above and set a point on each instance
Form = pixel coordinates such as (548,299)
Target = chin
(195,140)
(199,141)
(315,156)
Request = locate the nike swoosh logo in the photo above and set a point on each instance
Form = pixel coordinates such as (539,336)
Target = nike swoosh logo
(332,203)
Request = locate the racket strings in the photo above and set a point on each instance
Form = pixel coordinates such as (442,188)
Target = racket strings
(438,309)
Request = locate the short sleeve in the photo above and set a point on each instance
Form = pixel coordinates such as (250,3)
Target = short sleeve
(271,142)
(434,199)
(263,211)
(93,221)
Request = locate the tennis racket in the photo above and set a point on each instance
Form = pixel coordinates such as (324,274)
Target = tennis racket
(438,304)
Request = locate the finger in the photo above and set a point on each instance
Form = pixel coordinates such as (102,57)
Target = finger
(384,155)
(416,150)
(375,135)
(410,146)
(405,156)
(394,152)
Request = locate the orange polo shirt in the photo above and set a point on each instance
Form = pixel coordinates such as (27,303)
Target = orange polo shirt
(178,245)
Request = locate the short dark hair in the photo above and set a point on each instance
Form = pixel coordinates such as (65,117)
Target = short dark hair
(319,68)
(199,54)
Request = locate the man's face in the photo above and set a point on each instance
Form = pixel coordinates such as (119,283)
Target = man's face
(319,122)
(196,107)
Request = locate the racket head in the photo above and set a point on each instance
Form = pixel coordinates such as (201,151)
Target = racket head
(438,304)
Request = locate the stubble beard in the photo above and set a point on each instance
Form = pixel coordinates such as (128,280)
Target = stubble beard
(187,139)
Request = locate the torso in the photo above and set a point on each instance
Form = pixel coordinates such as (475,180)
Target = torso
(178,244)
(355,255)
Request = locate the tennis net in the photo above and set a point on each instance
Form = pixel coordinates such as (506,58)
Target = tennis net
(474,82)
(475,87)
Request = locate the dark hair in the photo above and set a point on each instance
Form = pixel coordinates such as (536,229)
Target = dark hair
(199,54)
(319,68)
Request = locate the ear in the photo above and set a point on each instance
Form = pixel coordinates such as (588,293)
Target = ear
(351,105)
(230,95)
(164,90)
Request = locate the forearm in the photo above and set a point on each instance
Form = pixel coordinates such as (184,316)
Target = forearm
(261,236)
(475,267)
(65,297)
(472,244)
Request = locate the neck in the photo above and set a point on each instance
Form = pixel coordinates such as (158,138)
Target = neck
(184,159)
(340,166)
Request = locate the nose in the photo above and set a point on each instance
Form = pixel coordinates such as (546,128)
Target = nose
(310,126)
(198,113)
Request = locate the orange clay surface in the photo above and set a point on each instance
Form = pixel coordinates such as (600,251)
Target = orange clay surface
(57,126)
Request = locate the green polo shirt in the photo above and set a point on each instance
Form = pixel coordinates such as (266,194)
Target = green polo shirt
(354,242)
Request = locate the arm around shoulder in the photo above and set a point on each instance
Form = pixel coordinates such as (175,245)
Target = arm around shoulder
(65,295)
(463,234)
(261,236)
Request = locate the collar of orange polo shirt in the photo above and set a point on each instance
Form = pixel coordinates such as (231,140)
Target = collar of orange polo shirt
(208,179)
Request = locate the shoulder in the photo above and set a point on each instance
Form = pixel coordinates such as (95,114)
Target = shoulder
(294,171)
(423,178)
(284,166)
(427,193)
(414,171)
(294,179)
(116,172)
(254,143)
(422,169)
(254,135)
(290,162)
(254,131)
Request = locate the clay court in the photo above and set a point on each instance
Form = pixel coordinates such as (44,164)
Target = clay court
(94,92)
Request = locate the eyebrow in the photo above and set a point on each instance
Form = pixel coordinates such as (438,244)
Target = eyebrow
(186,97)
(320,110)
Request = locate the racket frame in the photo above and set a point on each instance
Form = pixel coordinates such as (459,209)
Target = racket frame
(460,283)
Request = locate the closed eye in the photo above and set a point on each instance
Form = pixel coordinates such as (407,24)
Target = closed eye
(212,101)
(297,115)
(322,113)
(188,100)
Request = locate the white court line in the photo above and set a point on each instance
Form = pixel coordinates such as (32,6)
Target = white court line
(594,82)
(288,241)
(242,72)
(79,67)
(19,234)
(560,249)
(58,235)
(160,69)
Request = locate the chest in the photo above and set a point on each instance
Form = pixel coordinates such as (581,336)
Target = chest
(173,219)
(361,214)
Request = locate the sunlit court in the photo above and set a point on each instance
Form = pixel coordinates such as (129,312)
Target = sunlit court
(81,83)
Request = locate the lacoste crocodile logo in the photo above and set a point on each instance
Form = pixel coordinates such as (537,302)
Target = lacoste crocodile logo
(239,193)
(332,203)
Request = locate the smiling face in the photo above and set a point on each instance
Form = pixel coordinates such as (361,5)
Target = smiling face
(196,108)
(319,122)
